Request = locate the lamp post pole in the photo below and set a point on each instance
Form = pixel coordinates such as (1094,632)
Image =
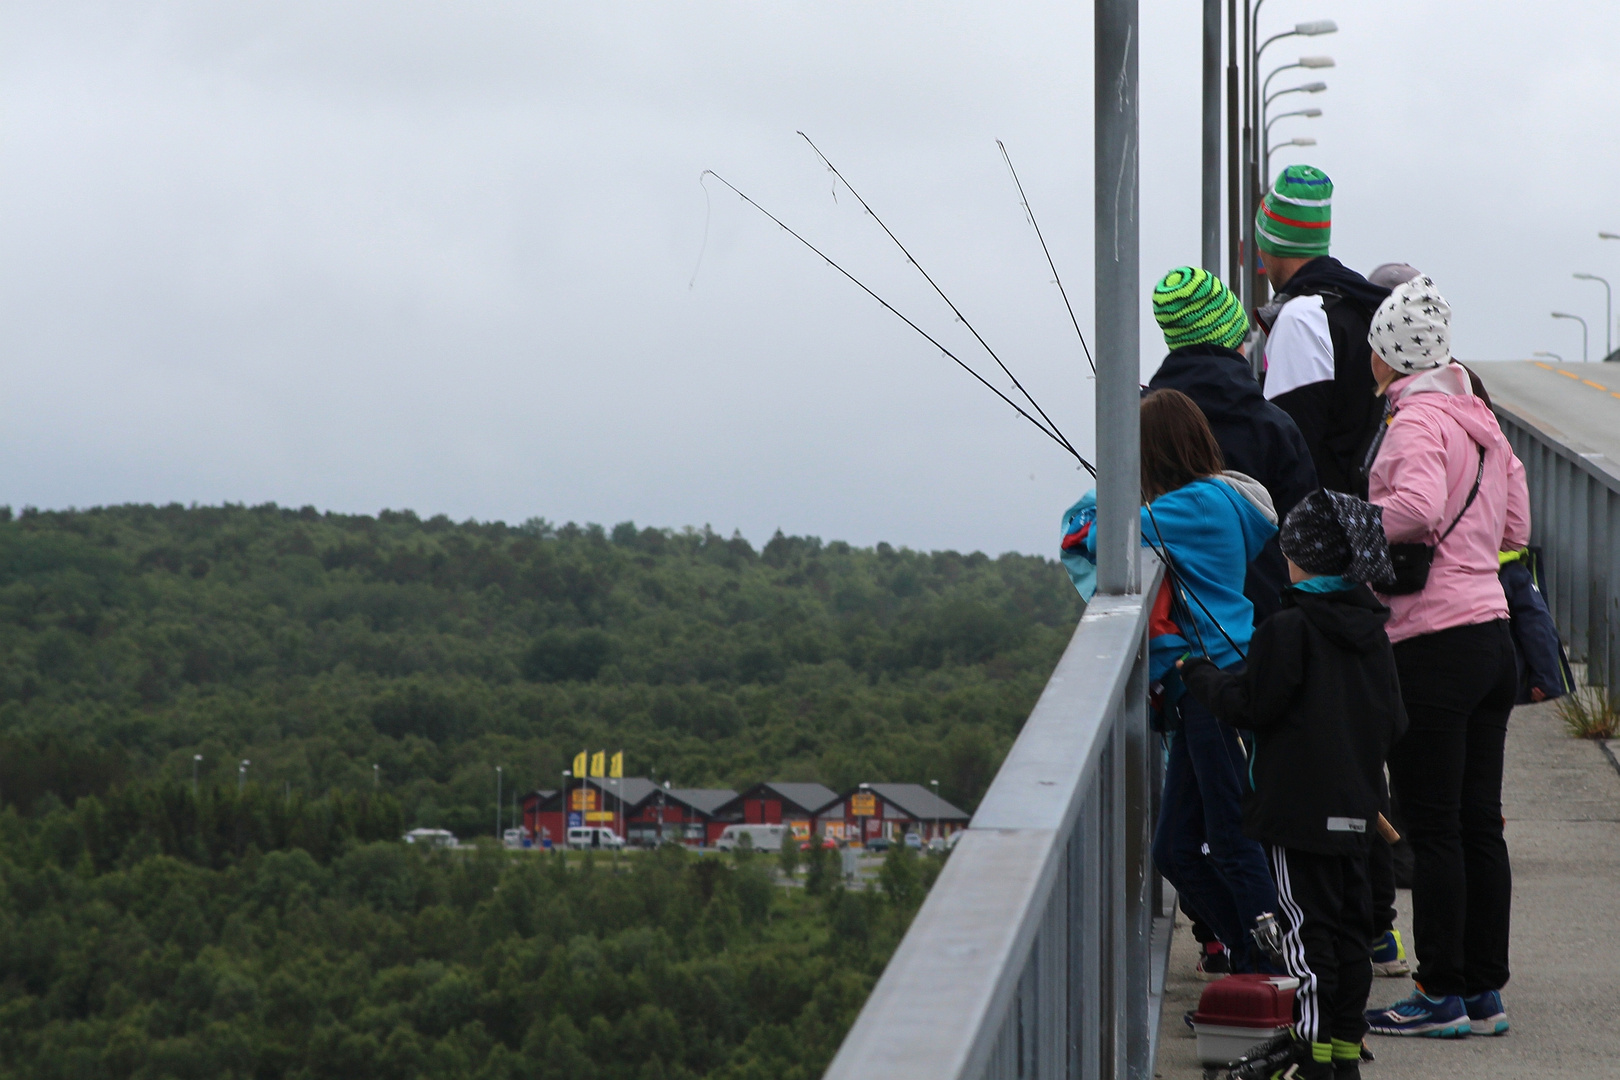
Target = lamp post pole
(1302,140)
(1211,217)
(564,819)
(1577,318)
(1234,192)
(497,804)
(1608,312)
(1117,263)
(1549,355)
(935,785)
(241,774)
(196,759)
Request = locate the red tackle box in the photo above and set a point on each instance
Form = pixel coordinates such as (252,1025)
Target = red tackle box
(1238,1011)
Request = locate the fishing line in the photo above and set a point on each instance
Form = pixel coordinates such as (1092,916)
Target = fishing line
(954,309)
(897,314)
(707,208)
(1056,280)
(1177,575)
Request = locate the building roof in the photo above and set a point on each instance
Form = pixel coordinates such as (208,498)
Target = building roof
(539,795)
(811,798)
(634,790)
(703,800)
(915,800)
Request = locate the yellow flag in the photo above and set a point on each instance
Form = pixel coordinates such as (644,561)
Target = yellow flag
(598,762)
(579,766)
(616,766)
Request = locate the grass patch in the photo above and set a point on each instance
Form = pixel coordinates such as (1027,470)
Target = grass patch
(1589,713)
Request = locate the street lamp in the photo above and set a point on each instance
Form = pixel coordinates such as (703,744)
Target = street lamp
(1577,318)
(1304,29)
(497,804)
(935,785)
(1550,355)
(1303,88)
(1302,140)
(374,777)
(566,774)
(1608,312)
(241,774)
(196,759)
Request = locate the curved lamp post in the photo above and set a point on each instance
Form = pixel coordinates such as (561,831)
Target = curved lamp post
(1577,318)
(1549,355)
(1302,140)
(1265,125)
(1608,311)
(1303,88)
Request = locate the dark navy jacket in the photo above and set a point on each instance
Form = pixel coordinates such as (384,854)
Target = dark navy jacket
(1535,636)
(1256,437)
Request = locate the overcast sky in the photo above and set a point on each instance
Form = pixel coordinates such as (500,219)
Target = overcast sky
(441,255)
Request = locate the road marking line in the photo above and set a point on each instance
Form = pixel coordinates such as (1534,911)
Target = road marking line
(1539,364)
(1598,385)
(1569,374)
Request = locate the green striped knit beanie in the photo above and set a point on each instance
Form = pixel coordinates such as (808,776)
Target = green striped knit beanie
(1195,307)
(1295,218)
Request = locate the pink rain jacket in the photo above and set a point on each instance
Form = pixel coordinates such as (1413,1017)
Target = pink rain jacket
(1422,477)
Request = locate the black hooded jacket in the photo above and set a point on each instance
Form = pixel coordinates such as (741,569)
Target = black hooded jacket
(1321,695)
(1256,437)
(1337,416)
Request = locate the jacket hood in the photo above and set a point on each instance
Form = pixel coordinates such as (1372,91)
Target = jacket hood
(1449,390)
(1253,490)
(1327,274)
(1352,619)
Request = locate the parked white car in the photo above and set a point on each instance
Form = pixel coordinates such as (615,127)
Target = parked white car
(593,836)
(760,837)
(431,837)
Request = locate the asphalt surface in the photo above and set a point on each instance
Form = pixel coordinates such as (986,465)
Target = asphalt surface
(1561,797)
(1579,401)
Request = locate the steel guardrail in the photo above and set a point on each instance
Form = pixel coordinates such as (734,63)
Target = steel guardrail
(1575,520)
(1040,950)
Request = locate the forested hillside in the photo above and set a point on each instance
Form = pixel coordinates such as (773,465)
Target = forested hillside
(318,645)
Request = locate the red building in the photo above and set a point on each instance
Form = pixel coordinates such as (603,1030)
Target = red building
(776,803)
(634,807)
(870,811)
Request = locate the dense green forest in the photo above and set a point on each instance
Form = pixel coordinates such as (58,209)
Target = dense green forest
(219,937)
(264,920)
(318,645)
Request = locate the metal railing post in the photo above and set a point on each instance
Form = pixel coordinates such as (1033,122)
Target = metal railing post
(1118,300)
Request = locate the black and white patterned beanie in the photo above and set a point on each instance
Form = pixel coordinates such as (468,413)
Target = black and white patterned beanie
(1411,330)
(1329,532)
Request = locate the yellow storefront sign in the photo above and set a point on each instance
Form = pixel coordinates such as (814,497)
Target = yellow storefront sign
(582,799)
(599,815)
(863,804)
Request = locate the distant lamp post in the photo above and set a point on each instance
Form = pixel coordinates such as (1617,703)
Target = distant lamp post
(1577,318)
(375,779)
(196,760)
(1608,312)
(497,803)
(1549,355)
(241,774)
(935,785)
(1302,140)
(1304,88)
(564,819)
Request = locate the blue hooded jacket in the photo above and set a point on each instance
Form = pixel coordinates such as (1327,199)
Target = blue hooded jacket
(1211,534)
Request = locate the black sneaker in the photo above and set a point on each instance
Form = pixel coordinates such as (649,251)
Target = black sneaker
(1214,963)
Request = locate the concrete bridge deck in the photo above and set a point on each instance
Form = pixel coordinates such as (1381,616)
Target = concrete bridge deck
(1561,797)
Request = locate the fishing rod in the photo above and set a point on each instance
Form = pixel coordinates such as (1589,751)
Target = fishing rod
(928,278)
(1055,437)
(1056,280)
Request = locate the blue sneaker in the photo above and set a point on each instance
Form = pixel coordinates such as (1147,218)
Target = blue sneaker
(1389,955)
(1485,1013)
(1420,1014)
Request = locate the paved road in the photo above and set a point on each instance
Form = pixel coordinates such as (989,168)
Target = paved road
(1579,401)
(1562,800)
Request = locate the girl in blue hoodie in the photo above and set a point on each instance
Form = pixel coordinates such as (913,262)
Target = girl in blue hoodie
(1210,524)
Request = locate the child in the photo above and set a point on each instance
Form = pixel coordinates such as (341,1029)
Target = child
(1211,523)
(1321,696)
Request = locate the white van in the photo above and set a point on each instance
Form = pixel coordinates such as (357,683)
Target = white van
(593,836)
(760,837)
(431,838)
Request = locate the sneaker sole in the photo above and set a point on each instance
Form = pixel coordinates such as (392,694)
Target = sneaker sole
(1391,969)
(1452,1030)
(1490,1025)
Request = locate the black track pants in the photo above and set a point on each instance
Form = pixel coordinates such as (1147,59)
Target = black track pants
(1327,913)
(1458,685)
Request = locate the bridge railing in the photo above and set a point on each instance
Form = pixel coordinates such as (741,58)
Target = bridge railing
(1040,951)
(1575,519)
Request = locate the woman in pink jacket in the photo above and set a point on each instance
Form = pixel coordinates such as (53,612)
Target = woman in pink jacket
(1445,476)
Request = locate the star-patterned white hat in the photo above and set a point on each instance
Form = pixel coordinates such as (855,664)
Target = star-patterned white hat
(1411,330)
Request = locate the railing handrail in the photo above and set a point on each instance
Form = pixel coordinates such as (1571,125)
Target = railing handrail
(1597,465)
(940,1009)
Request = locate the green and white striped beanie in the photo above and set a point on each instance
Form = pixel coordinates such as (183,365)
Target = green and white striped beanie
(1195,307)
(1295,219)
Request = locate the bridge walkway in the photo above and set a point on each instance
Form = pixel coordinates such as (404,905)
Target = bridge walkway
(1561,797)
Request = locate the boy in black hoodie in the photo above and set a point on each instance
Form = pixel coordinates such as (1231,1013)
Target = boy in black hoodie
(1321,695)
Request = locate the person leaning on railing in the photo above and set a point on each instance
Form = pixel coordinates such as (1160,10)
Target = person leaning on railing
(1453,496)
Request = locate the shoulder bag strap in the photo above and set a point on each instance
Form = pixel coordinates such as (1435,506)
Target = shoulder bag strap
(1478,476)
